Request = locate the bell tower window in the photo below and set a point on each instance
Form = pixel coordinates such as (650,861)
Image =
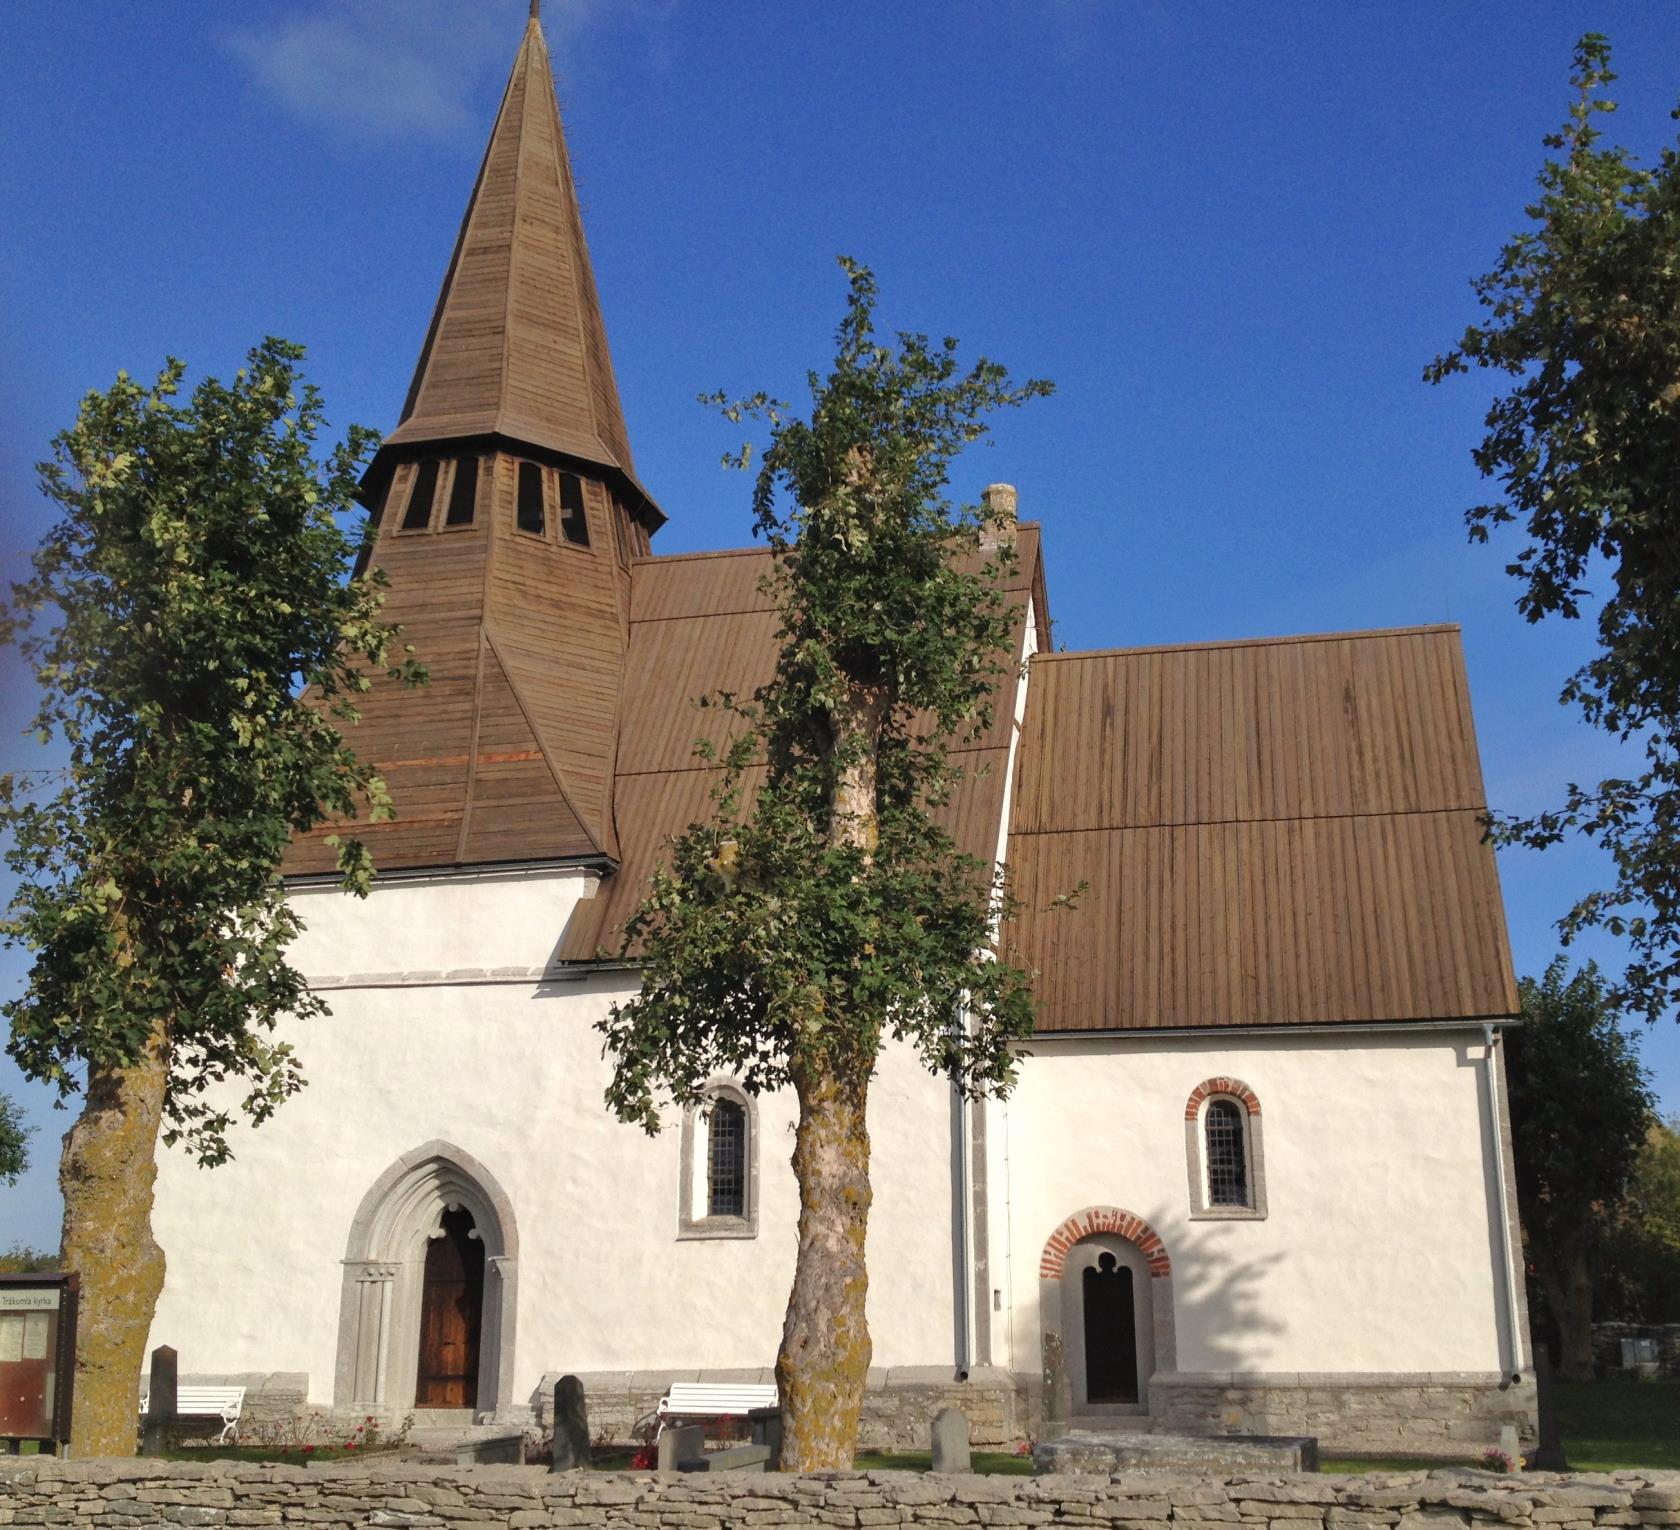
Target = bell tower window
(463,493)
(530,509)
(418,516)
(574,524)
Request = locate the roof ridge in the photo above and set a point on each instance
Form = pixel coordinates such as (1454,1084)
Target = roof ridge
(1283,640)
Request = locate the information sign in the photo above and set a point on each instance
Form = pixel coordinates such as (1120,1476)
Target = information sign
(37,1356)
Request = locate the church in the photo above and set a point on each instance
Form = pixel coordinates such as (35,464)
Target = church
(1256,1173)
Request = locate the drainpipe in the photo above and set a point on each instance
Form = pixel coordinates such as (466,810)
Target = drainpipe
(1513,1325)
(961,1232)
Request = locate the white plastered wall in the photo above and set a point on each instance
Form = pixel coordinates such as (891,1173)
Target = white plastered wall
(509,1070)
(1380,1251)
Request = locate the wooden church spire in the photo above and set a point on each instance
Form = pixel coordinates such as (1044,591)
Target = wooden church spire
(516,348)
(507,514)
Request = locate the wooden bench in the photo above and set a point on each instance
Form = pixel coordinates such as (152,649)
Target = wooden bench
(224,1403)
(714,1399)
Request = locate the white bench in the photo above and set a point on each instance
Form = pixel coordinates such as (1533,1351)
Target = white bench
(714,1399)
(226,1403)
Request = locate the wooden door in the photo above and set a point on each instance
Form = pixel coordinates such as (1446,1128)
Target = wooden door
(451,1314)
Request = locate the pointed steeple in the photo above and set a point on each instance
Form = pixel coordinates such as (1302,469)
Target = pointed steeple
(517,349)
(508,516)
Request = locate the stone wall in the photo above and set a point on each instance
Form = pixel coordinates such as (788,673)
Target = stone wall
(134,1495)
(1607,1344)
(898,1404)
(1446,1413)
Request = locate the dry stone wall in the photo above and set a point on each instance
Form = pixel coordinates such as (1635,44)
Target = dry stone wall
(128,1494)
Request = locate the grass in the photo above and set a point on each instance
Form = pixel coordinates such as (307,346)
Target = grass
(1620,1425)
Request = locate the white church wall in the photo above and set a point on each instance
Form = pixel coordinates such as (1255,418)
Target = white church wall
(511,1073)
(1379,1250)
(500,921)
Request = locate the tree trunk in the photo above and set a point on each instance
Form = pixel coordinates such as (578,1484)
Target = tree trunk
(824,1359)
(1574,1311)
(106,1173)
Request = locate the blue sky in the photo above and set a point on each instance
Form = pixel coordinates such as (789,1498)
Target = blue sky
(1232,235)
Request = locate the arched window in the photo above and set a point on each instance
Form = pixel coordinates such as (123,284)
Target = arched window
(726,1160)
(1222,1145)
(1227,1153)
(719,1166)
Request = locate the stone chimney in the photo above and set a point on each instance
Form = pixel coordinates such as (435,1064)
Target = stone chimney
(1000,499)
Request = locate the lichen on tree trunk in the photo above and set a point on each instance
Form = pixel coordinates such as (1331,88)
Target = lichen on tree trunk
(106,1173)
(824,1359)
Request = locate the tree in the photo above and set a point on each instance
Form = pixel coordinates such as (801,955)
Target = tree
(1580,1110)
(20,1259)
(810,921)
(194,583)
(14,1141)
(1585,310)
(1641,1266)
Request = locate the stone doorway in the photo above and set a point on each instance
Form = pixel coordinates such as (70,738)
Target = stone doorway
(1109,1325)
(1096,1363)
(430,1295)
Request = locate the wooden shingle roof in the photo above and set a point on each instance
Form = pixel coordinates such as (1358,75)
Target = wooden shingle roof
(699,624)
(1272,833)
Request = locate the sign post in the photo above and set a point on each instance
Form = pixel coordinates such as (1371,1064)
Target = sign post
(37,1359)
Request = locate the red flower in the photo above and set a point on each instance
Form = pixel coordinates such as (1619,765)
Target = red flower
(351,1445)
(307,1449)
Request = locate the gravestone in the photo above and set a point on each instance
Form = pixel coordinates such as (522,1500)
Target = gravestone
(571,1426)
(679,1445)
(766,1424)
(950,1441)
(161,1400)
(1511,1445)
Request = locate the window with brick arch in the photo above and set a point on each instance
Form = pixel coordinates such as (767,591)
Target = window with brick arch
(1224,1127)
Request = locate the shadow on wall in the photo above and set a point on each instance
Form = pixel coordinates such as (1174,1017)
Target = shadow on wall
(1221,1308)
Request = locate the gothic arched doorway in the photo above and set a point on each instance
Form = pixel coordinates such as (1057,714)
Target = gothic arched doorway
(430,1290)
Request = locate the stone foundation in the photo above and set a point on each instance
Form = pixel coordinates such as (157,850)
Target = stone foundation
(1430,1413)
(1434,1413)
(139,1495)
(898,1404)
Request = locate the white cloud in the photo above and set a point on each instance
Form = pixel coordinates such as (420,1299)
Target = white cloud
(393,68)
